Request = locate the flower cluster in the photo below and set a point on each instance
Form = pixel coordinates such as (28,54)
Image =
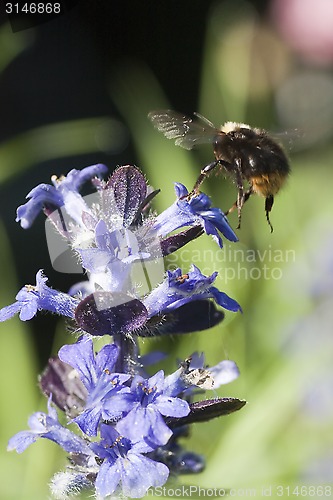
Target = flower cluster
(127,424)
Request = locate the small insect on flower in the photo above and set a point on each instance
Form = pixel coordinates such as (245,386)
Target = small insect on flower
(198,376)
(248,154)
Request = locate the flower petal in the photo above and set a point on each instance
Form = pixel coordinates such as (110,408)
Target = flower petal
(81,357)
(8,312)
(21,441)
(224,372)
(107,479)
(144,424)
(172,407)
(142,473)
(88,420)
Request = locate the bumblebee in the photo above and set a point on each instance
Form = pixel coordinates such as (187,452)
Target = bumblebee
(248,154)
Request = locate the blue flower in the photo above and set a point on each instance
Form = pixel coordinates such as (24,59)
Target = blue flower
(144,407)
(31,299)
(110,260)
(179,289)
(96,374)
(63,192)
(123,463)
(196,211)
(224,372)
(47,426)
(129,424)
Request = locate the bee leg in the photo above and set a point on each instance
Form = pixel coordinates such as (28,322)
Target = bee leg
(203,174)
(246,196)
(205,171)
(241,196)
(268,207)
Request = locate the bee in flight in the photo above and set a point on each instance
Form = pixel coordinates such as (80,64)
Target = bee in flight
(248,154)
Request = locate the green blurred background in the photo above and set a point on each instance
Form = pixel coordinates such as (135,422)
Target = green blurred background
(76,91)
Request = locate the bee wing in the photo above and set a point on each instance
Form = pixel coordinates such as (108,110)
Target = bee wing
(289,139)
(186,131)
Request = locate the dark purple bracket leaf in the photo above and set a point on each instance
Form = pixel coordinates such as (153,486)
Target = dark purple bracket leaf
(62,381)
(195,316)
(202,411)
(177,241)
(129,189)
(105,313)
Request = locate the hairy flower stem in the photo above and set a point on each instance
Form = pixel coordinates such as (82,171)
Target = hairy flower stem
(128,359)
